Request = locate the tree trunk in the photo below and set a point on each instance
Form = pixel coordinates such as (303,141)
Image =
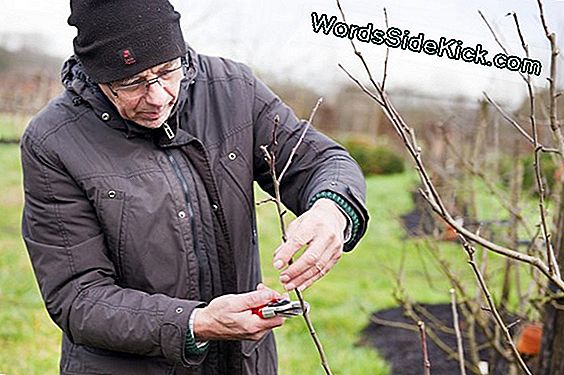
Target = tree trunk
(551,361)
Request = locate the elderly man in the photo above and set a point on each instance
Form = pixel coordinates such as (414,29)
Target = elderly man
(139,211)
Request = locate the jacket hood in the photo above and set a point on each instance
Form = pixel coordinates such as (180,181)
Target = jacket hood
(85,92)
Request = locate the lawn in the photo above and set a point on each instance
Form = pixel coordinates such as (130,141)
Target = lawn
(362,281)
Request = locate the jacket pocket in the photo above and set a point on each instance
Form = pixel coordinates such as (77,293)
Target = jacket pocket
(239,171)
(112,216)
(88,360)
(249,346)
(259,357)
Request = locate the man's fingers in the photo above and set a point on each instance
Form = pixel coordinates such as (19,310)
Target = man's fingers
(258,327)
(311,256)
(285,252)
(310,266)
(261,286)
(305,281)
(256,298)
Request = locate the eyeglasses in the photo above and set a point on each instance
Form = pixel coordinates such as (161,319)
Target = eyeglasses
(139,87)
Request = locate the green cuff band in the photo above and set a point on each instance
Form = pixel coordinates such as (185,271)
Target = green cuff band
(190,347)
(341,202)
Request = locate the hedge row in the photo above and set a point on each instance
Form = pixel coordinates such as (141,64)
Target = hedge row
(374,159)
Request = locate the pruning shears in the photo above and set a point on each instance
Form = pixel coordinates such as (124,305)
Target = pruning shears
(280,307)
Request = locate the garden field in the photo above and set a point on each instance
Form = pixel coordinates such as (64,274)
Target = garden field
(362,282)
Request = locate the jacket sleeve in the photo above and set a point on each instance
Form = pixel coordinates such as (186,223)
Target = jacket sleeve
(320,164)
(76,277)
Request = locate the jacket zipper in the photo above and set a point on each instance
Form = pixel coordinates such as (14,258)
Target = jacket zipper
(168,130)
(186,192)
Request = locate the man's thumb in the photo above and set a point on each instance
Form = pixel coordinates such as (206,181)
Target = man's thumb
(256,298)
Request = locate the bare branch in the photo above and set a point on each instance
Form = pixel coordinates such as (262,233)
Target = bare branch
(387,53)
(493,33)
(471,311)
(534,261)
(492,188)
(492,308)
(458,334)
(409,312)
(523,44)
(429,191)
(264,201)
(426,362)
(362,87)
(392,324)
(433,321)
(516,125)
(270,157)
(513,324)
(498,41)
(555,125)
(430,194)
(301,139)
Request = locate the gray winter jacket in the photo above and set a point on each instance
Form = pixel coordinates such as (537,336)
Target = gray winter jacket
(128,231)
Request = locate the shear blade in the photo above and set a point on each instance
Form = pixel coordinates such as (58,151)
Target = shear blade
(291,309)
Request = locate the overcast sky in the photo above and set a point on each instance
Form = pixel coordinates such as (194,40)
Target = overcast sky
(276,37)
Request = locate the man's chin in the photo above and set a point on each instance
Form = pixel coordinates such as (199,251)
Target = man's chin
(151,123)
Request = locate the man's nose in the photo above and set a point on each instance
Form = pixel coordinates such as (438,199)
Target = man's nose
(157,95)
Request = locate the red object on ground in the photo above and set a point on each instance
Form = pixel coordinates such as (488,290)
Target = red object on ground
(529,342)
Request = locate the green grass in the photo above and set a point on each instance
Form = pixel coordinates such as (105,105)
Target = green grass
(12,125)
(29,341)
(362,281)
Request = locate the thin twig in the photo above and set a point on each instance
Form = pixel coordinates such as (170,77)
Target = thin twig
(556,132)
(516,125)
(458,334)
(430,194)
(498,41)
(264,201)
(362,87)
(435,338)
(270,157)
(429,191)
(493,33)
(492,188)
(550,255)
(554,124)
(358,53)
(492,308)
(387,53)
(426,362)
(513,324)
(501,250)
(300,140)
(392,324)
(433,321)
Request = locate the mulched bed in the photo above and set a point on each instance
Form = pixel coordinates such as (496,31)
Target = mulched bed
(401,348)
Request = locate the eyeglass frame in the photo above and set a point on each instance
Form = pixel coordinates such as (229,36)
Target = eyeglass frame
(149,82)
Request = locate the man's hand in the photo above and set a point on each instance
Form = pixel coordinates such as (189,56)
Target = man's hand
(229,317)
(322,229)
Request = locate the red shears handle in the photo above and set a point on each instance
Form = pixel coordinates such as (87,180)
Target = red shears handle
(259,309)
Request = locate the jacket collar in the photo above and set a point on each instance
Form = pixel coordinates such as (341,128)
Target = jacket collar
(85,92)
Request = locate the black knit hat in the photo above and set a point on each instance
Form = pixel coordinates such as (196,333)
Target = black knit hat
(120,38)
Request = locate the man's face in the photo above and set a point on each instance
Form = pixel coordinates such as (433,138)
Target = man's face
(143,101)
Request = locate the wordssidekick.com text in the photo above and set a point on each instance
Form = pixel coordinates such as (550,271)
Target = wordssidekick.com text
(394,37)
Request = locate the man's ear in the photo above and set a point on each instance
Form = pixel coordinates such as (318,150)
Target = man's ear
(107,91)
(110,96)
